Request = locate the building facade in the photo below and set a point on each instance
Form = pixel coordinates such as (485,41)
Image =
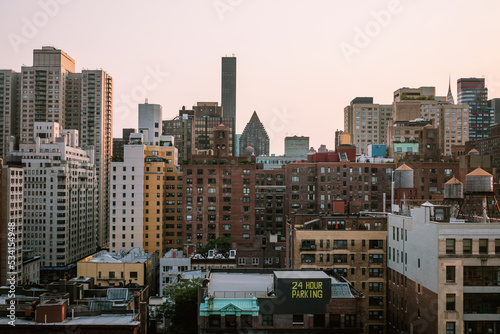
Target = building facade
(228,94)
(353,247)
(150,123)
(473,92)
(9,110)
(11,222)
(182,128)
(312,187)
(254,135)
(366,122)
(60,218)
(146,199)
(442,275)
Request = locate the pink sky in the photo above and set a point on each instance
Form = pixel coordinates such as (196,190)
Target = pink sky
(291,65)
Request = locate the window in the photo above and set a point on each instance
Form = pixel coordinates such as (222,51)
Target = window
(376,244)
(350,320)
(450,246)
(298,320)
(133,274)
(340,244)
(214,321)
(376,286)
(255,261)
(242,261)
(334,320)
(497,246)
(267,320)
(450,302)
(111,274)
(467,246)
(230,321)
(483,246)
(450,328)
(319,321)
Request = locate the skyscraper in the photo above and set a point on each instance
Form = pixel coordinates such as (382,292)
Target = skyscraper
(473,92)
(43,94)
(254,135)
(228,91)
(51,91)
(60,198)
(9,109)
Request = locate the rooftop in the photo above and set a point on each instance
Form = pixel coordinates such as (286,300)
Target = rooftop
(135,255)
(102,320)
(295,274)
(249,285)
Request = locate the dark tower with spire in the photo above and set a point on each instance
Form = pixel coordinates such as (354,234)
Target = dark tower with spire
(255,135)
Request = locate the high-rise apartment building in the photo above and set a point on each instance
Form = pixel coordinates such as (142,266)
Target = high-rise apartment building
(473,92)
(51,91)
(443,273)
(312,187)
(494,104)
(43,90)
(209,115)
(254,135)
(146,199)
(219,195)
(354,247)
(150,122)
(270,202)
(9,110)
(182,128)
(228,93)
(11,222)
(366,122)
(60,218)
(413,106)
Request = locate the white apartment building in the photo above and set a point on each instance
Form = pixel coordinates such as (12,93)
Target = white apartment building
(127,199)
(60,196)
(11,220)
(172,265)
(444,273)
(150,123)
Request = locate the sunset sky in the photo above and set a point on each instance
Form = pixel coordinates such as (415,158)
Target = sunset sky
(299,62)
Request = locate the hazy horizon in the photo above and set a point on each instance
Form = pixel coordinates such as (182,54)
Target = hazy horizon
(298,63)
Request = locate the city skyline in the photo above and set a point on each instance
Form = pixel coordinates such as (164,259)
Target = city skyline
(315,61)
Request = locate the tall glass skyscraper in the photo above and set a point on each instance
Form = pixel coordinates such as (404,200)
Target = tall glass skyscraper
(472,91)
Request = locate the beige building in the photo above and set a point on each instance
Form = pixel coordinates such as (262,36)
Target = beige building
(452,120)
(353,247)
(51,91)
(366,122)
(146,199)
(121,268)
